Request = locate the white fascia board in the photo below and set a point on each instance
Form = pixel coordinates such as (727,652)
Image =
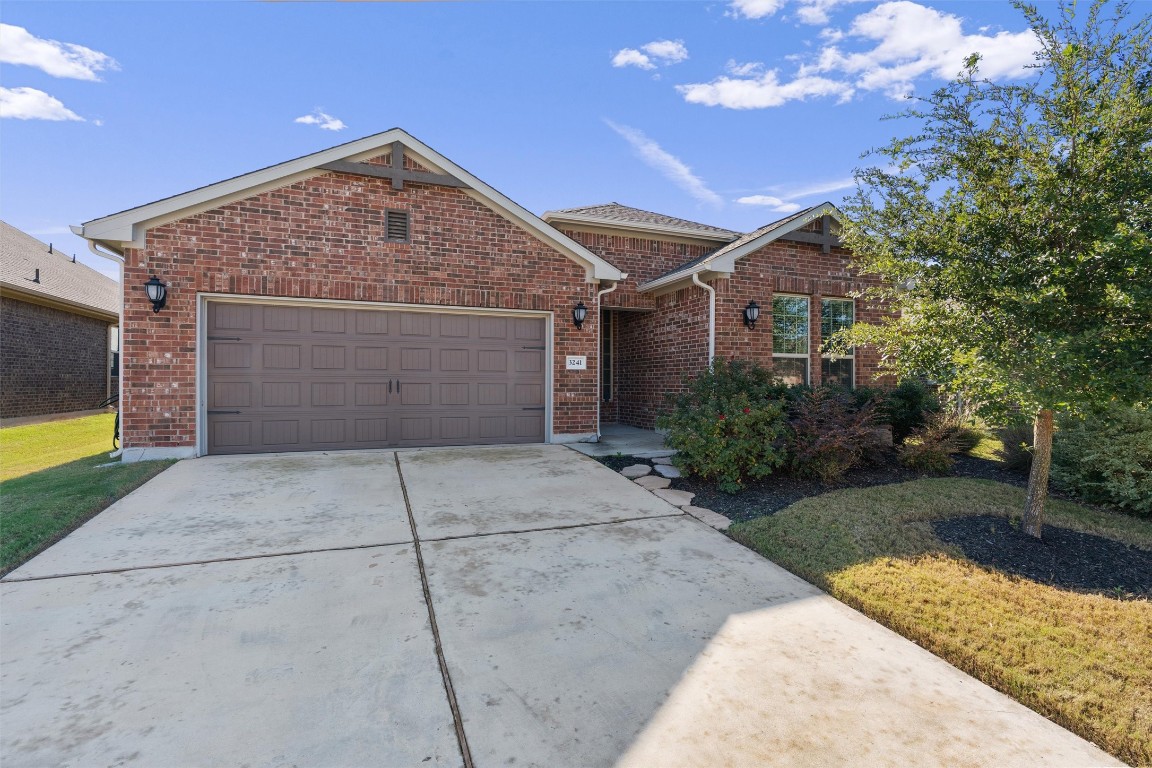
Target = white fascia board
(127,229)
(726,262)
(553,217)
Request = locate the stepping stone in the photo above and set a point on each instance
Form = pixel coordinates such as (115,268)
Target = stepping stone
(667,470)
(675,498)
(636,470)
(652,483)
(662,460)
(708,517)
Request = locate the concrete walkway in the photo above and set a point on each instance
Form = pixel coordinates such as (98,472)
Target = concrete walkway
(626,441)
(481,606)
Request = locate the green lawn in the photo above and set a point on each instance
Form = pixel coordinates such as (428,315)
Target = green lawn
(1079,659)
(51,482)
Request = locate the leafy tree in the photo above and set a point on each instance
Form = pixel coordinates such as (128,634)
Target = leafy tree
(1013,229)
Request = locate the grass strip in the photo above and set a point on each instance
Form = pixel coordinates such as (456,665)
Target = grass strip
(1079,659)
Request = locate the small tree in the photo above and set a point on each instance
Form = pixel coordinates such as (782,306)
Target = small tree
(1013,230)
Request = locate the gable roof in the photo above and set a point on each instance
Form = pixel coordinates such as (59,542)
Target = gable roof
(627,217)
(723,260)
(62,282)
(127,229)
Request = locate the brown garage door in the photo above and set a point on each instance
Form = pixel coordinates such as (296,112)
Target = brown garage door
(294,378)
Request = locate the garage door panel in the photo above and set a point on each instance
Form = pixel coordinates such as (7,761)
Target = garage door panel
(371,358)
(328,357)
(291,378)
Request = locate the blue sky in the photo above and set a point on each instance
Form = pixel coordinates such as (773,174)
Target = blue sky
(732,113)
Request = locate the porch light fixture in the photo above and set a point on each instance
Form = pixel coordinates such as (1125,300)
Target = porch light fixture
(579,314)
(751,315)
(157,293)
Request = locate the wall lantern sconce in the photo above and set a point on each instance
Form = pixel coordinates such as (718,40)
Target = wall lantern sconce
(157,293)
(579,314)
(751,315)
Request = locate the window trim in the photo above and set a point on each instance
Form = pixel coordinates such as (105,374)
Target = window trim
(805,356)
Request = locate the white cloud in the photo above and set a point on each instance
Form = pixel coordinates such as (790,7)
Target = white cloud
(818,188)
(747,69)
(913,41)
(754,9)
(671,167)
(31,104)
(774,204)
(764,90)
(651,55)
(816,11)
(19,46)
(325,121)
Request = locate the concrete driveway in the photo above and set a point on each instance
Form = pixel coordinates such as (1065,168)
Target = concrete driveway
(472,606)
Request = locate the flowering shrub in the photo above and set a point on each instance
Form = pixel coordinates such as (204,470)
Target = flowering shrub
(730,425)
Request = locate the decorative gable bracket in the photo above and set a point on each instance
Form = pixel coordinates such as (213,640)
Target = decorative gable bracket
(396,172)
(824,237)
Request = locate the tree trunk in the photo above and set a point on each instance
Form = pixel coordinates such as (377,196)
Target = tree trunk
(1038,477)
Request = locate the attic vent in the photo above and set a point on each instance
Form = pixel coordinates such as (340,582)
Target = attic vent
(396,226)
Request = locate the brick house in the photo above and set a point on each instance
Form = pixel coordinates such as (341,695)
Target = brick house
(376,294)
(57,317)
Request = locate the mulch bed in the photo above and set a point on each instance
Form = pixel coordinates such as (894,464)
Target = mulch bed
(782,490)
(1062,558)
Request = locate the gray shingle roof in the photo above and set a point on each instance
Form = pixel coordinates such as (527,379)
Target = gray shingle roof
(615,213)
(60,279)
(742,240)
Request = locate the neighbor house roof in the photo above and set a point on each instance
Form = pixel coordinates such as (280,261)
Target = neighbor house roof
(622,216)
(723,260)
(30,271)
(127,229)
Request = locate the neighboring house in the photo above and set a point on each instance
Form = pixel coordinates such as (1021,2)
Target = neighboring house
(55,321)
(376,294)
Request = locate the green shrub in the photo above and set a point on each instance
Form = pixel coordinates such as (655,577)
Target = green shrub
(831,433)
(1016,446)
(729,425)
(1106,458)
(908,407)
(929,448)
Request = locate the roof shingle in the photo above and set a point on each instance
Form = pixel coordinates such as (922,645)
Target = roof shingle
(615,213)
(61,279)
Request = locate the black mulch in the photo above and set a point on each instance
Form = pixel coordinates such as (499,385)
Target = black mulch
(782,490)
(1063,558)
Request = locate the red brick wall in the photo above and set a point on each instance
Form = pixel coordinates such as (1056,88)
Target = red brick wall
(792,268)
(658,348)
(656,351)
(323,239)
(51,361)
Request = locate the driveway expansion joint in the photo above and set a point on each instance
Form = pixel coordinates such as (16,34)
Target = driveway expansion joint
(208,561)
(449,690)
(554,527)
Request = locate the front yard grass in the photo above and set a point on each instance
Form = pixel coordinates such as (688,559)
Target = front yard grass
(51,482)
(1079,659)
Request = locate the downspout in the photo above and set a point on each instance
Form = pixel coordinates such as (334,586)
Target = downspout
(599,348)
(711,316)
(119,335)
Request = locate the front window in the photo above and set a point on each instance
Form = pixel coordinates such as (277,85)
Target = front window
(790,338)
(835,315)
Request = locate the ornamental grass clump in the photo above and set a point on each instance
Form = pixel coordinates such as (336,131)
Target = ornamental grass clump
(831,433)
(930,447)
(729,425)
